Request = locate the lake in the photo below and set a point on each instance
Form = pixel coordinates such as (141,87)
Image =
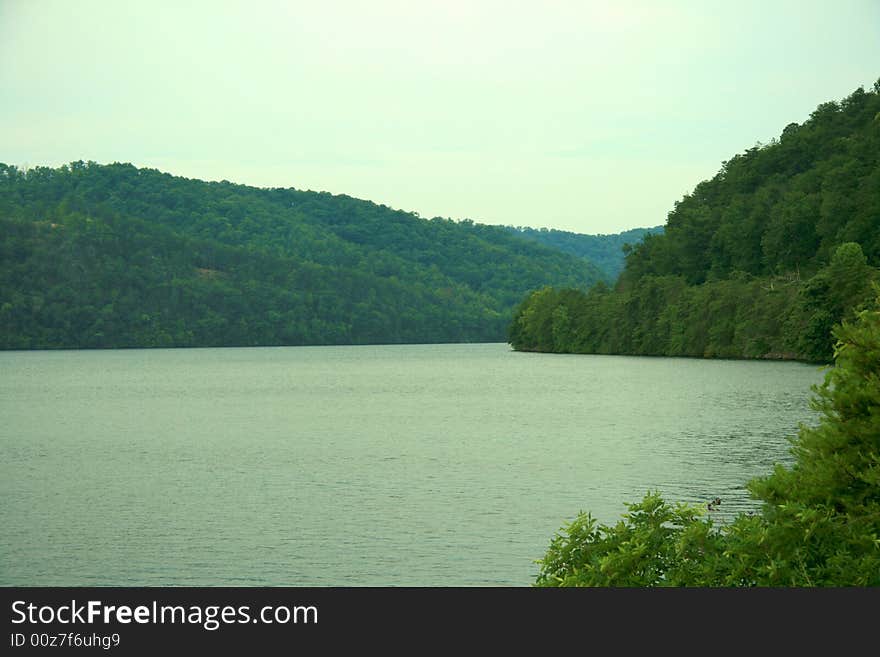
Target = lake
(424,465)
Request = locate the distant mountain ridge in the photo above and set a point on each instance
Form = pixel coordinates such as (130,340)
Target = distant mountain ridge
(110,255)
(606,251)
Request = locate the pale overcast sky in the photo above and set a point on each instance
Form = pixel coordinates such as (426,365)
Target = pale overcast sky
(581,115)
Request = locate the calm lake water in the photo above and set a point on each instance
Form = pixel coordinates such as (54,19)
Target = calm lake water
(428,465)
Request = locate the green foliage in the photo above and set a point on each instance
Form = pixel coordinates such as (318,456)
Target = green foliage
(653,545)
(820,520)
(605,251)
(115,256)
(759,262)
(835,293)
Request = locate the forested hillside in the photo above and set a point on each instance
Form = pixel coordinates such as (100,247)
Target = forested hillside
(115,256)
(761,261)
(605,251)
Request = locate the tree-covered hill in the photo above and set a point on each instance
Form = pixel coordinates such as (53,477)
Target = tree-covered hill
(761,261)
(605,251)
(115,256)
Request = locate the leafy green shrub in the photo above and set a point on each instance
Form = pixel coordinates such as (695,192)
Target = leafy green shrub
(820,520)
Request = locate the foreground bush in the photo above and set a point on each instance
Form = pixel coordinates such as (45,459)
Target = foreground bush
(820,520)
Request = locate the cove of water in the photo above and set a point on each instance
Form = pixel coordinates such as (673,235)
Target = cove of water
(422,465)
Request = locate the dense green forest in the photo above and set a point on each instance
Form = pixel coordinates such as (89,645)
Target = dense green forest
(761,261)
(605,251)
(115,256)
(818,525)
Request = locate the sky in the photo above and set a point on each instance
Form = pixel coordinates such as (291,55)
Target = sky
(587,116)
